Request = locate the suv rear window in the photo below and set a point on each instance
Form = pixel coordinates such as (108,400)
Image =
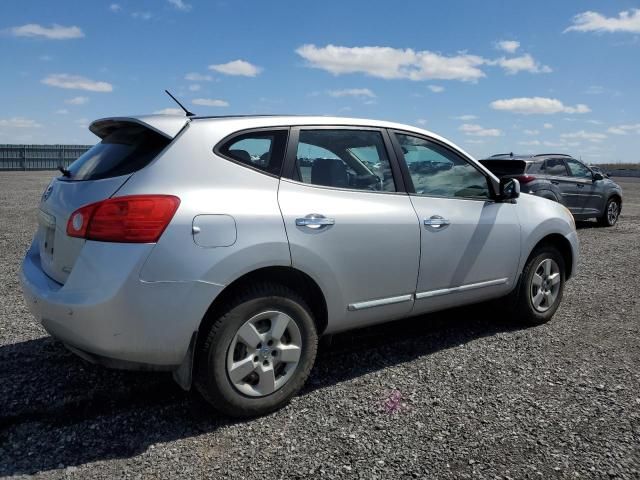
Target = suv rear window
(123,151)
(505,167)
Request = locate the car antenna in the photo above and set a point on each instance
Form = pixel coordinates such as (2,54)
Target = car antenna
(187,112)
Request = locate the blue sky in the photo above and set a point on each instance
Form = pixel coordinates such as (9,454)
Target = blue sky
(492,76)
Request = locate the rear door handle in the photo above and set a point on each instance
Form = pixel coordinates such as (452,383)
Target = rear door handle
(580,185)
(436,222)
(314,221)
(555,182)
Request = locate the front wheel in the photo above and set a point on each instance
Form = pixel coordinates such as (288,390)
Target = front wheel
(611,213)
(541,287)
(258,354)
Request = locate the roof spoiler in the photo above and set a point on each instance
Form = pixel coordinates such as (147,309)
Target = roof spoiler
(166,125)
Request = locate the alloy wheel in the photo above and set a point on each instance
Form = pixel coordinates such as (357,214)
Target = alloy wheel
(545,285)
(264,353)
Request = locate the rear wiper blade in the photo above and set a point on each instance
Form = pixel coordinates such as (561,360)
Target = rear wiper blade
(65,171)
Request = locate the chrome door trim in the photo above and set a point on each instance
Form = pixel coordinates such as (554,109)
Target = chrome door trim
(461,288)
(379,302)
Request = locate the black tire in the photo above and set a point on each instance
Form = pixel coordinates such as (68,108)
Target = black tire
(520,304)
(211,377)
(607,220)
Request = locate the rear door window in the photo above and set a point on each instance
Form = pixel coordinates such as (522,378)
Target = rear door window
(555,167)
(344,158)
(121,152)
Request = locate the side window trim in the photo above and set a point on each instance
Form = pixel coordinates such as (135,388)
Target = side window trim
(407,175)
(290,172)
(241,133)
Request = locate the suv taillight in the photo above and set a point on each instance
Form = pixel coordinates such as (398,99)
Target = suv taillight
(525,178)
(129,219)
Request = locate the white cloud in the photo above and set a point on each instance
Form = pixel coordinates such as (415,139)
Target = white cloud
(531,132)
(77,100)
(54,32)
(194,87)
(210,102)
(436,88)
(197,77)
(626,21)
(523,63)
(509,46)
(63,80)
(530,142)
(537,105)
(353,92)
(62,111)
(393,63)
(474,141)
(114,7)
(46,58)
(142,15)
(421,121)
(625,129)
(19,122)
(237,67)
(547,125)
(180,5)
(465,118)
(478,131)
(590,136)
(170,111)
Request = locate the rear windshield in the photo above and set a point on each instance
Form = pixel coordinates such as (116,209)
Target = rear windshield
(505,167)
(123,151)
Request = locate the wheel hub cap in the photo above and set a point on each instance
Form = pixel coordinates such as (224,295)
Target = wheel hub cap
(264,353)
(545,285)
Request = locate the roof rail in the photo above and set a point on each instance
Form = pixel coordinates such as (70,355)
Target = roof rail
(556,154)
(503,155)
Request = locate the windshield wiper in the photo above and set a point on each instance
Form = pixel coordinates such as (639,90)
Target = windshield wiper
(65,171)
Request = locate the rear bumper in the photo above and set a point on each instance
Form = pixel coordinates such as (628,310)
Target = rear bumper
(106,314)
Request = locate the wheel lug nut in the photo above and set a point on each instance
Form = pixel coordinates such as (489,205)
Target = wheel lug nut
(259,346)
(274,353)
(255,359)
(266,363)
(270,342)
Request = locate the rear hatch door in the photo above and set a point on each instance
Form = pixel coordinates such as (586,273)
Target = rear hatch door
(127,145)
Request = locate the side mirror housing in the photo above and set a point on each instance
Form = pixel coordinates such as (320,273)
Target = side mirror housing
(597,176)
(509,189)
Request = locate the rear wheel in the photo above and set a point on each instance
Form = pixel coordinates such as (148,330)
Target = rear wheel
(258,353)
(541,287)
(611,213)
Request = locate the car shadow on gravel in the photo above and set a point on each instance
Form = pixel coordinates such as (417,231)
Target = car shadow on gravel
(58,411)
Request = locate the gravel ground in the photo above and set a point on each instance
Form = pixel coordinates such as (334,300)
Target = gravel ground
(456,395)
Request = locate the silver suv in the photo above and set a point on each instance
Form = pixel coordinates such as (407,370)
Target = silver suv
(221,248)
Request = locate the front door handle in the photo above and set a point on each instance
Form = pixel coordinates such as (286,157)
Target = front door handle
(314,221)
(580,185)
(436,222)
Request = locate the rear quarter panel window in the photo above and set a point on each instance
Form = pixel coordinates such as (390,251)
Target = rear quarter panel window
(261,150)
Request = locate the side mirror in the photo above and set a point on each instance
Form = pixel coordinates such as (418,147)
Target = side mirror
(509,188)
(597,176)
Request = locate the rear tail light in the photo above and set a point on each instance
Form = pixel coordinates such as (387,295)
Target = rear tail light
(525,178)
(130,219)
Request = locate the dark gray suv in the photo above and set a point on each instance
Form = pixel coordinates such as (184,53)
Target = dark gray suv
(586,193)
